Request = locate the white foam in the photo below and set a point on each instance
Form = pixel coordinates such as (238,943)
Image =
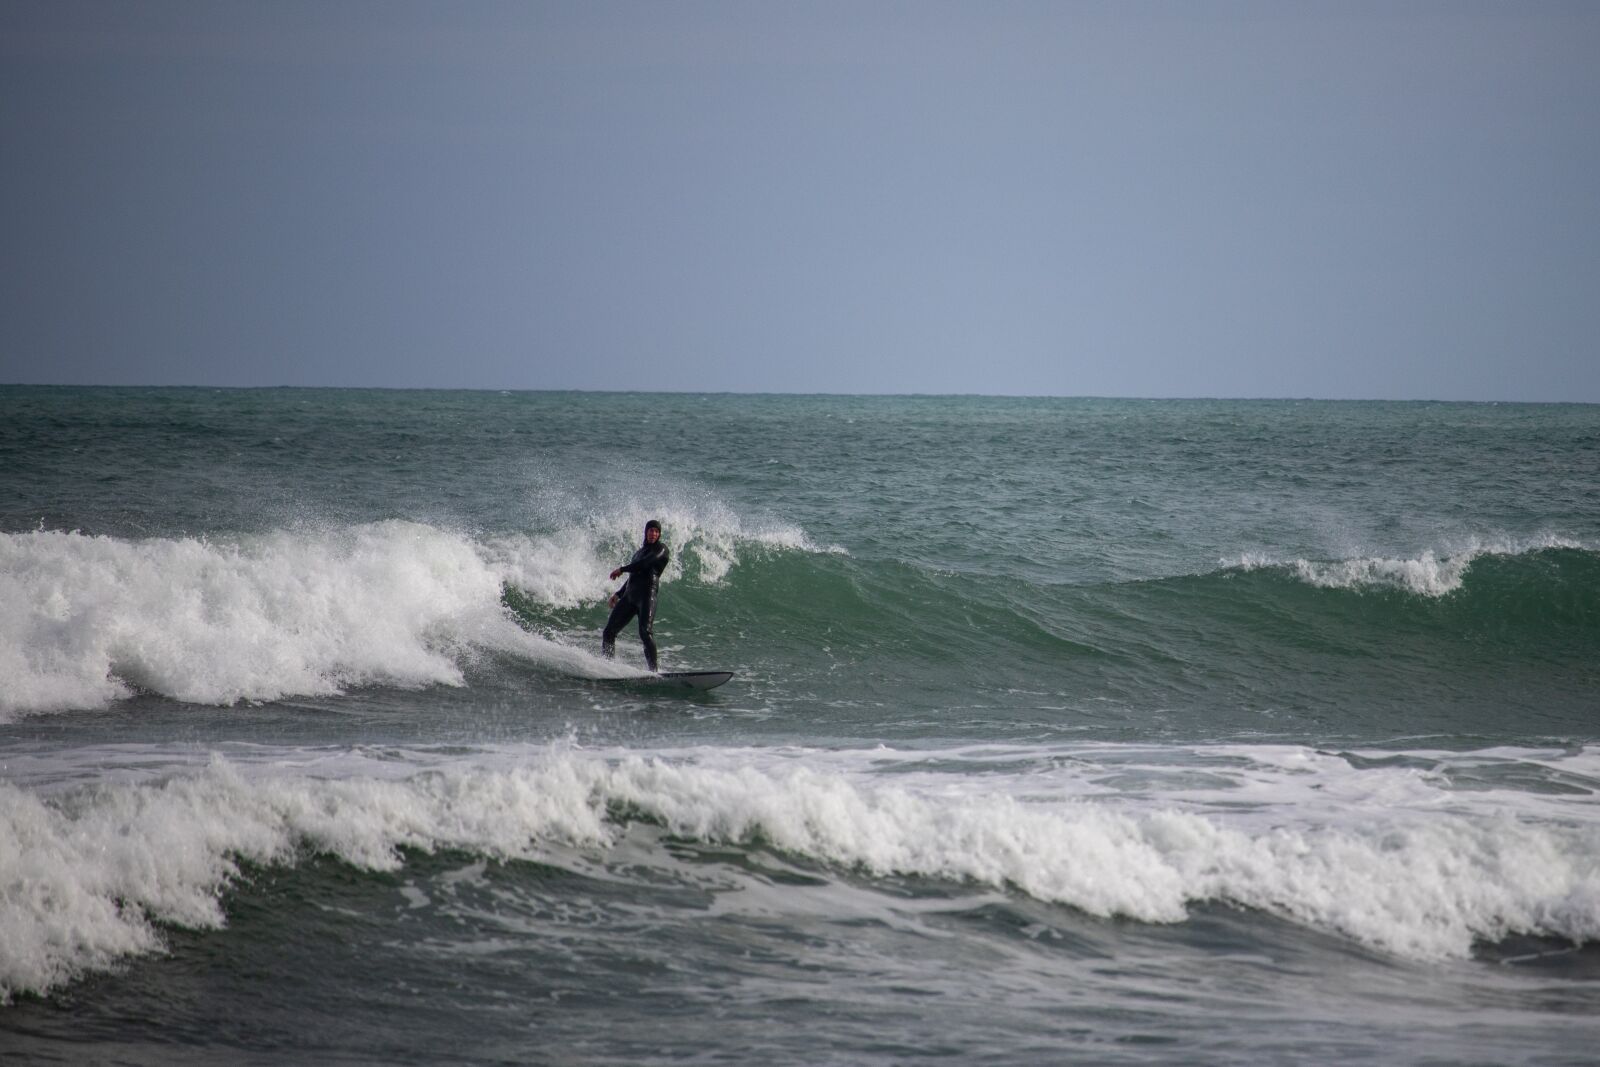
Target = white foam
(303,612)
(1388,856)
(83,877)
(1394,861)
(315,611)
(1426,575)
(1432,573)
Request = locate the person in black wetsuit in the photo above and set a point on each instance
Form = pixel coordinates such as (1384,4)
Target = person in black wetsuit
(638,594)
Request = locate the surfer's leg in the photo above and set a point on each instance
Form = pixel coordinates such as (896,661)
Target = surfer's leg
(646,617)
(619,618)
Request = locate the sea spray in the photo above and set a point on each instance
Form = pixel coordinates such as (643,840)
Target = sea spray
(559,568)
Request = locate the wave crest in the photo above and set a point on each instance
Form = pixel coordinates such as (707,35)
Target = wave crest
(1430,574)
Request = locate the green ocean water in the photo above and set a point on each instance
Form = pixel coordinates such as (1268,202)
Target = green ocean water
(1062,728)
(1191,568)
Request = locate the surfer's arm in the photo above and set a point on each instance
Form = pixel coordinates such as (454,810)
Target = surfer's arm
(641,566)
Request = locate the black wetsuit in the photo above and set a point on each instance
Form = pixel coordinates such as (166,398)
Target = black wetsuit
(638,597)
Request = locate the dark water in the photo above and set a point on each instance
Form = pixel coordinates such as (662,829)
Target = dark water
(1121,731)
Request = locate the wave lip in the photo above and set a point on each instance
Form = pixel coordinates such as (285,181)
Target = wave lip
(1429,574)
(1426,576)
(1405,865)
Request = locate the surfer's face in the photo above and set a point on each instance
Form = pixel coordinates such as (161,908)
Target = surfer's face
(652,535)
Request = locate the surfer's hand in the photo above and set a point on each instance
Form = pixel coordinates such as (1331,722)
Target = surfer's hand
(615,573)
(612,602)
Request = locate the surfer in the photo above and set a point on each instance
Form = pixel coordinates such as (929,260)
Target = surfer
(638,594)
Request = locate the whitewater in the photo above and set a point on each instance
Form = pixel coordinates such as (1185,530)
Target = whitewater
(1128,731)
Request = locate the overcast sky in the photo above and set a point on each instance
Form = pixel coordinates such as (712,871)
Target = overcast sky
(1116,199)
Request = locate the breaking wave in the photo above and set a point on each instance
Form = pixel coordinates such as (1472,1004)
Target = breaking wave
(1393,858)
(93,619)
(1430,574)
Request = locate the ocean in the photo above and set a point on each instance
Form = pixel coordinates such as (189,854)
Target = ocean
(1063,730)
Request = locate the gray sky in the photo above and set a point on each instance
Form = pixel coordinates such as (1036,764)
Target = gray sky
(1120,199)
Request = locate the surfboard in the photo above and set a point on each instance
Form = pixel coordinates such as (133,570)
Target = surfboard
(692,679)
(701,680)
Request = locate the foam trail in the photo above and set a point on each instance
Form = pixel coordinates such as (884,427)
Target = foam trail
(85,874)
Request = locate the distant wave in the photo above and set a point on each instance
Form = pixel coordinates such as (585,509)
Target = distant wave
(1540,597)
(1430,574)
(89,875)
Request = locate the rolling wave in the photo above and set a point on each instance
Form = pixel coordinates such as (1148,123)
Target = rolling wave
(1539,601)
(1431,574)
(309,612)
(1387,855)
(1520,592)
(319,611)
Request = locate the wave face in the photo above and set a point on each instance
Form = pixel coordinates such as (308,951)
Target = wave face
(1420,856)
(1532,600)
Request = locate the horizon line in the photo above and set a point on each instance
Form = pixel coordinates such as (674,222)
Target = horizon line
(1307,398)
